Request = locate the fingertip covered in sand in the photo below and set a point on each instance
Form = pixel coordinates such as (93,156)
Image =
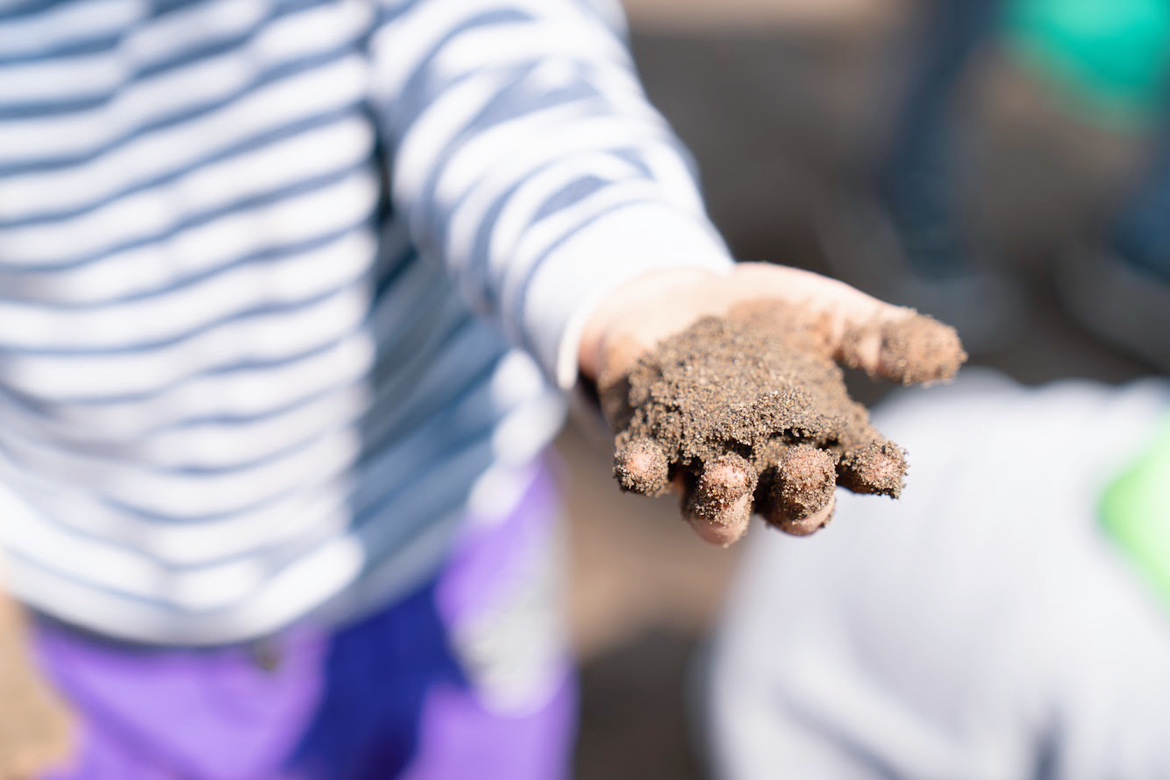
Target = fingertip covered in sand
(920,350)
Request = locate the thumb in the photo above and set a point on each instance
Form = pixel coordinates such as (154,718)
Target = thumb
(860,331)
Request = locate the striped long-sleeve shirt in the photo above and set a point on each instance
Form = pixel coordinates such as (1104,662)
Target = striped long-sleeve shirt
(241,244)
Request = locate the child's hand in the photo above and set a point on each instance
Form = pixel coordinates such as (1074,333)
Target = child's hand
(725,389)
(36,732)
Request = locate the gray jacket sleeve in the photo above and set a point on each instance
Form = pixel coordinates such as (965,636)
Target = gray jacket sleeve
(981,627)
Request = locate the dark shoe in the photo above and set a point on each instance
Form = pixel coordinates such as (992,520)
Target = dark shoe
(863,247)
(1118,301)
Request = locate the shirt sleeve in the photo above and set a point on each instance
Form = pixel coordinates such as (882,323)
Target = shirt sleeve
(525,155)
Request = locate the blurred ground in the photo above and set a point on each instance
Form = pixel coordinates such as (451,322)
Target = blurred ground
(781,100)
(687,16)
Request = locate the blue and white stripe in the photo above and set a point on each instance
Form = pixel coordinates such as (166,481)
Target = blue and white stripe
(240,244)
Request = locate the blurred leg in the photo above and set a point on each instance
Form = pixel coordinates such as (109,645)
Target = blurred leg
(1141,234)
(917,180)
(214,714)
(465,677)
(469,677)
(1122,291)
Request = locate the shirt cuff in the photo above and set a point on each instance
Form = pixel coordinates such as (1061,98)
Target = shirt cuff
(614,250)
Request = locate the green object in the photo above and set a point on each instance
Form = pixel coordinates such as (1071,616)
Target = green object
(1136,512)
(1110,56)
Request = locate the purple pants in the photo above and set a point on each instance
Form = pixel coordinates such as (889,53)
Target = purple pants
(464,678)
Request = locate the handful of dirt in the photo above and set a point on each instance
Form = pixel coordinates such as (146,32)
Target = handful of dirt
(749,413)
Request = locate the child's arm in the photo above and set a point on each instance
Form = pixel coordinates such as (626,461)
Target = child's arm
(35,732)
(526,156)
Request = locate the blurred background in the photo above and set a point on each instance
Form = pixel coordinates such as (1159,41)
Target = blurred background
(787,106)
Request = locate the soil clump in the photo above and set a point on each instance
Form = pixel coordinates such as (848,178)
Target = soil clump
(754,404)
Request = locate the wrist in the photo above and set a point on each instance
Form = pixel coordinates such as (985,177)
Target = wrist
(595,268)
(653,297)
